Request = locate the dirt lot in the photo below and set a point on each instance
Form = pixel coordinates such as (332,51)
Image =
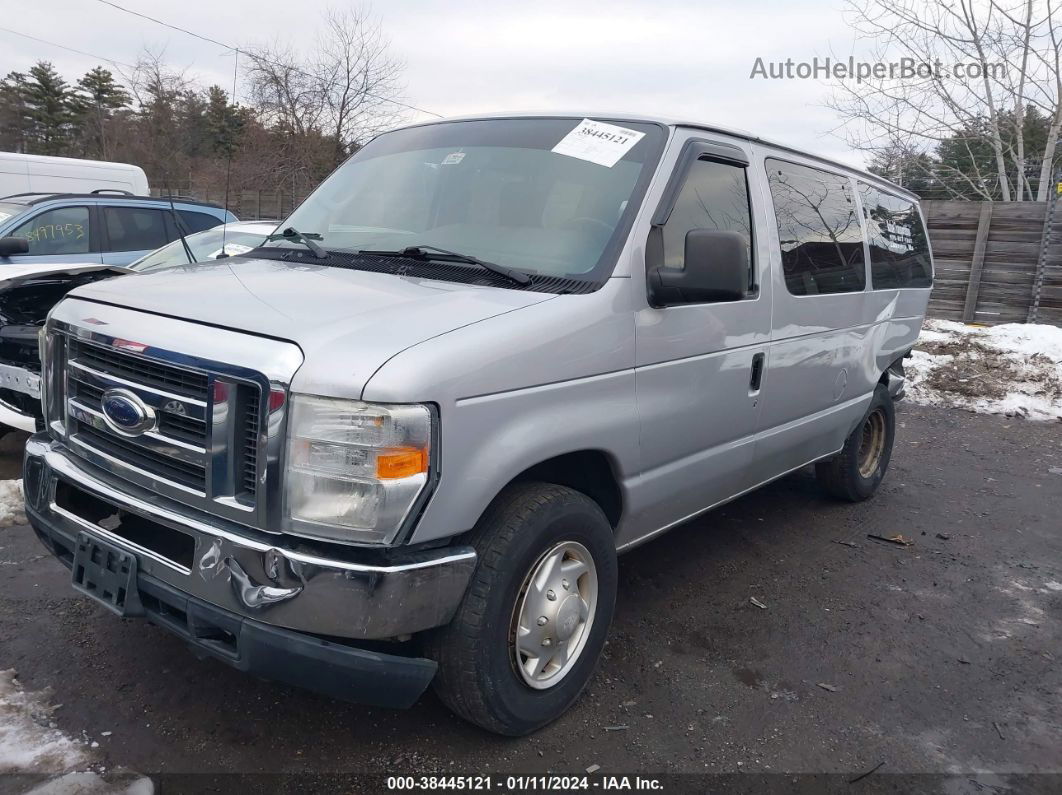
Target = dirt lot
(939,657)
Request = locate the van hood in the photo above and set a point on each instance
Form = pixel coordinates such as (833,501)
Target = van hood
(348,323)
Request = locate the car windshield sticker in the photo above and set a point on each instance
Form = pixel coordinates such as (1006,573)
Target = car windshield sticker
(604,144)
(232,249)
(453,158)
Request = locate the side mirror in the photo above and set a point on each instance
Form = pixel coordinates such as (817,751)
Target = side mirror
(13,245)
(716,269)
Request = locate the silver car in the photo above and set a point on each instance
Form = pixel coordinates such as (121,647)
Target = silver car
(404,442)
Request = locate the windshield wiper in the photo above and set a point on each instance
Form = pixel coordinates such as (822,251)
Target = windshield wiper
(428,252)
(293,235)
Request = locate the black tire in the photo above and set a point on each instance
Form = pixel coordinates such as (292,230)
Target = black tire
(841,476)
(477,675)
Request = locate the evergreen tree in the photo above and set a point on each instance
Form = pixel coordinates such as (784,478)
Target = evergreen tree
(50,114)
(190,112)
(966,161)
(224,122)
(14,113)
(98,96)
(907,168)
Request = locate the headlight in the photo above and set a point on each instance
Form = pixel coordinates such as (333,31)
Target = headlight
(354,469)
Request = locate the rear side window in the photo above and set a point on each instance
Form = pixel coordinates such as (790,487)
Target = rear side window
(197,222)
(61,231)
(899,249)
(818,230)
(134,228)
(714,196)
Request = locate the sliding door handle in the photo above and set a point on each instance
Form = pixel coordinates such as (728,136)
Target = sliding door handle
(757,373)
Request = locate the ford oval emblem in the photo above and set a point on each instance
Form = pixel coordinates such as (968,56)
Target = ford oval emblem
(125,413)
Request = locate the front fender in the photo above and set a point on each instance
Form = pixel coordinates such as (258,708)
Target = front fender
(487,441)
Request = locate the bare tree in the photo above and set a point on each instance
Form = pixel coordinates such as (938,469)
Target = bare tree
(158,90)
(358,79)
(284,91)
(1007,53)
(345,92)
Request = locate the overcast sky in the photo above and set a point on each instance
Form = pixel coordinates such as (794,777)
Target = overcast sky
(683,59)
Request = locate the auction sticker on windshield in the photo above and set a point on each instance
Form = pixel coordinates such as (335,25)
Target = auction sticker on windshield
(598,142)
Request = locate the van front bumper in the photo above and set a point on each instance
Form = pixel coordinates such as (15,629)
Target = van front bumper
(278,611)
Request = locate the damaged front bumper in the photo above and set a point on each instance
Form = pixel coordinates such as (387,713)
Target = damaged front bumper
(246,598)
(25,382)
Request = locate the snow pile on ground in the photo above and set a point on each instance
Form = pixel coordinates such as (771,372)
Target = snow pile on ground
(89,783)
(29,740)
(32,745)
(1013,369)
(11,503)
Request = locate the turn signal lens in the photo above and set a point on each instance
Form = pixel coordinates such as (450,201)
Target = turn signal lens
(401,463)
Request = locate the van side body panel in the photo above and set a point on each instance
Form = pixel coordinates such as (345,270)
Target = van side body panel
(698,414)
(827,351)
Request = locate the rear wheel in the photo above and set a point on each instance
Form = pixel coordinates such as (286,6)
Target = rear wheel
(526,638)
(855,473)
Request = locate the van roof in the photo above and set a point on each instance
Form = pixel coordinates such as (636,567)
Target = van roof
(30,199)
(52,159)
(673,122)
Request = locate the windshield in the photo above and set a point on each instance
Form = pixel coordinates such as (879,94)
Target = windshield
(8,209)
(204,245)
(492,189)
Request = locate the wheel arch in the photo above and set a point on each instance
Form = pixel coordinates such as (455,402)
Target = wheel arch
(590,472)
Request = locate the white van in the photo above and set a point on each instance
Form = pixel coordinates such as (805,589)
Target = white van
(40,174)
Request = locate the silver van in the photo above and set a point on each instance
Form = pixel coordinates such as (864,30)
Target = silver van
(403,442)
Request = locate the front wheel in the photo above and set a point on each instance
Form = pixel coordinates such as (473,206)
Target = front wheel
(855,473)
(526,638)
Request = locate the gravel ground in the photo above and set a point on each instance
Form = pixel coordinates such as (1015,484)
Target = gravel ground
(939,657)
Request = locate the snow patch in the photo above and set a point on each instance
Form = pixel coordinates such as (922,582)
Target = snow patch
(1013,369)
(29,740)
(89,783)
(31,744)
(12,503)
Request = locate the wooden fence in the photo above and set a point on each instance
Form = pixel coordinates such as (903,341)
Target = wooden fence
(248,205)
(996,262)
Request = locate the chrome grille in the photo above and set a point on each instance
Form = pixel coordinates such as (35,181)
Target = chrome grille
(179,449)
(180,381)
(185,473)
(248,468)
(185,429)
(202,382)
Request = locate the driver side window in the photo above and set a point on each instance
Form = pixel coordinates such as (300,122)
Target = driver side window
(714,196)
